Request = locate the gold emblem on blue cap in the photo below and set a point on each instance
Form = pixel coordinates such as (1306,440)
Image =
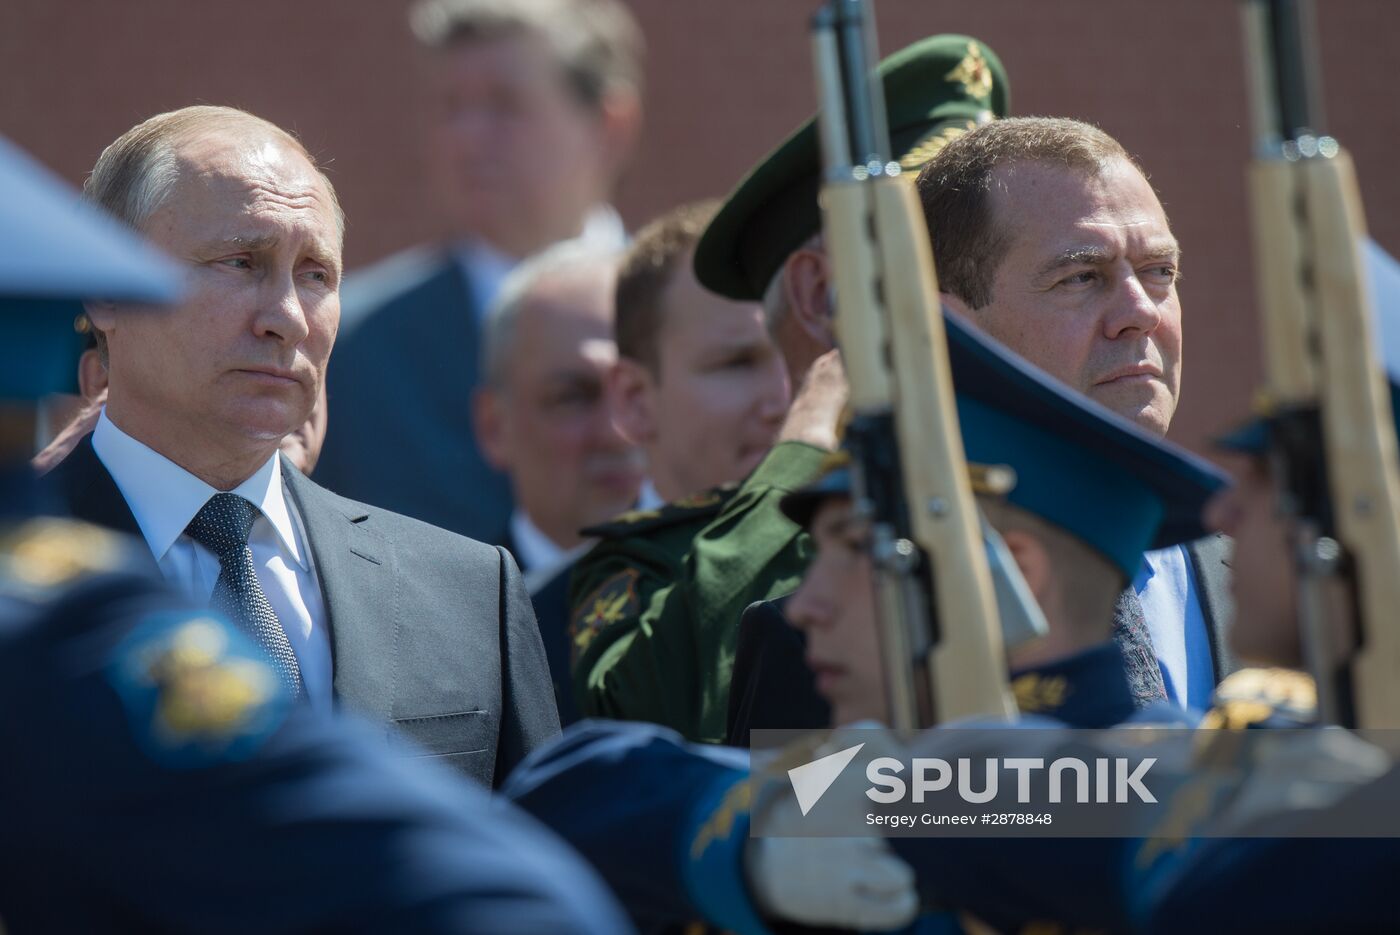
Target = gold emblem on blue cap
(973,73)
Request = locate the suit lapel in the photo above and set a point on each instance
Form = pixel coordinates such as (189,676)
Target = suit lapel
(87,490)
(1210,560)
(356,569)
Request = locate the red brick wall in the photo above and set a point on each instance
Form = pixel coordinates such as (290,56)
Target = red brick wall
(727,78)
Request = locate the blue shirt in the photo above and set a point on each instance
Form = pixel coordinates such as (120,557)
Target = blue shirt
(1171,607)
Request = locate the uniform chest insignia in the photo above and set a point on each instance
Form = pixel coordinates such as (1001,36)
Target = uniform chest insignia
(196,690)
(1035,693)
(613,600)
(973,73)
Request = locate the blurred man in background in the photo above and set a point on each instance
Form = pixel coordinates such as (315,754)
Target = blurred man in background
(533,110)
(543,418)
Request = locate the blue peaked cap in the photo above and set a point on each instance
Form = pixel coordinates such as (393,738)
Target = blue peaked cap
(1078,466)
(56,250)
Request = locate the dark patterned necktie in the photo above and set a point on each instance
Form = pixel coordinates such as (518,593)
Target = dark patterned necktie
(222,526)
(1139,658)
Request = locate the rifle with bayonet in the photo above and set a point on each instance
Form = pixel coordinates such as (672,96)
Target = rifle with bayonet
(1333,445)
(940,636)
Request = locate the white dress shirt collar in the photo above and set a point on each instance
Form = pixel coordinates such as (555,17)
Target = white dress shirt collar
(164,497)
(538,556)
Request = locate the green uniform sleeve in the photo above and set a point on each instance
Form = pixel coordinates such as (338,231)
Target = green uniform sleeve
(671,662)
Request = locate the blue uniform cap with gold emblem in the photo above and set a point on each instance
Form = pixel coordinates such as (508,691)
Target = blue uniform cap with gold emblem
(935,89)
(1078,466)
(56,250)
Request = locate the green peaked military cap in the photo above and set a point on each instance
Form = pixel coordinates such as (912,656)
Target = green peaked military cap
(935,89)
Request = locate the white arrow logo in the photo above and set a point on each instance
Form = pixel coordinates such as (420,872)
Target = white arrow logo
(811,780)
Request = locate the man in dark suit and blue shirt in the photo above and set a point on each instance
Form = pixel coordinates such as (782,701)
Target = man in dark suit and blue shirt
(533,109)
(402,621)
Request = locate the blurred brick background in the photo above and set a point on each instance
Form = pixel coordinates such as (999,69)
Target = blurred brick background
(728,78)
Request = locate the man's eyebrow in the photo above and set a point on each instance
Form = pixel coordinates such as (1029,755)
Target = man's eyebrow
(1164,250)
(1075,256)
(573,379)
(1096,256)
(318,250)
(245,241)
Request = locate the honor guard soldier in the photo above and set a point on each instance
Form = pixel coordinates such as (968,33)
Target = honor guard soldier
(1046,455)
(669,660)
(158,775)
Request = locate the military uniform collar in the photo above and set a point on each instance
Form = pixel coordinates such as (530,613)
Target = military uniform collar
(646,519)
(1088,689)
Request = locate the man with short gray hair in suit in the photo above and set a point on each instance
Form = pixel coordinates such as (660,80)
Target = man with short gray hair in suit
(407,623)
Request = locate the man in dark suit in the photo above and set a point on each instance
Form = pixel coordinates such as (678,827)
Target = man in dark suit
(161,777)
(534,110)
(405,622)
(544,418)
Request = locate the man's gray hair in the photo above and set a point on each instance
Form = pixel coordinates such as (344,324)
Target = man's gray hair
(597,43)
(135,174)
(566,258)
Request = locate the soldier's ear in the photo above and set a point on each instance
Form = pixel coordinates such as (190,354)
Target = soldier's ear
(807,288)
(1033,559)
(632,399)
(92,374)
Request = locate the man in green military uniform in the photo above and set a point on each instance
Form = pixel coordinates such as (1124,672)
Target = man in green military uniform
(669,660)
(699,385)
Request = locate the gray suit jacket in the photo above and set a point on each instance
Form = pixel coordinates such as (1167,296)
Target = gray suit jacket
(1210,561)
(429,631)
(399,394)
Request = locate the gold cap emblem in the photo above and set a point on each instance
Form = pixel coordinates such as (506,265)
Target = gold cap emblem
(973,73)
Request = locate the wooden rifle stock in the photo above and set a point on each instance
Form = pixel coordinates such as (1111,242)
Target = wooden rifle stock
(1325,391)
(940,637)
